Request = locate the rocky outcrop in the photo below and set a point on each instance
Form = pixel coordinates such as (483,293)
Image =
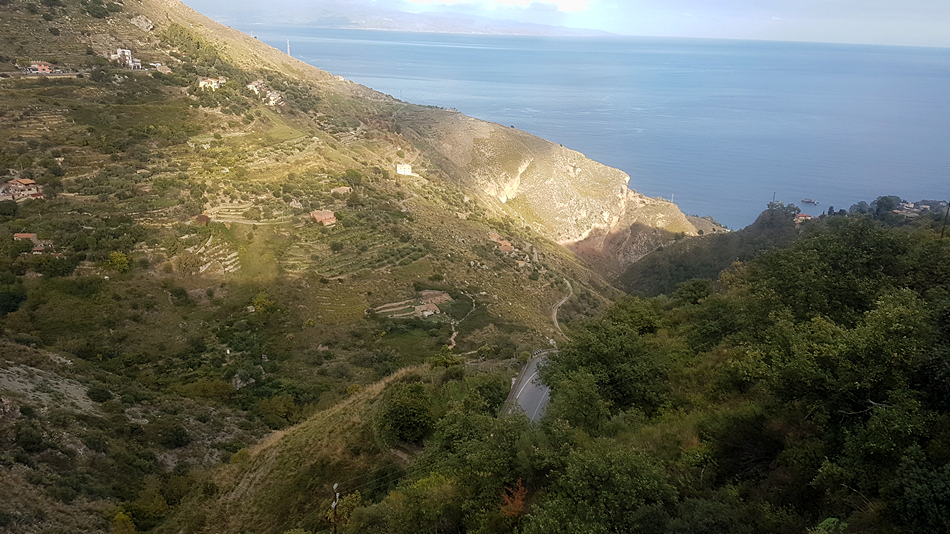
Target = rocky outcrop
(558,192)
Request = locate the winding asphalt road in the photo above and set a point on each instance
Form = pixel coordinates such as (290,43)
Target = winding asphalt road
(528,393)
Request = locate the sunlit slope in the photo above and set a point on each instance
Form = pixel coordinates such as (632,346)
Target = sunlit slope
(558,192)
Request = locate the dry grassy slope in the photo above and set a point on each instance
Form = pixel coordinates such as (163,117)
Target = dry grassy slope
(558,192)
(289,476)
(242,49)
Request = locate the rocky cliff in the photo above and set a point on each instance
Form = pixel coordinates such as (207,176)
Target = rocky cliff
(558,192)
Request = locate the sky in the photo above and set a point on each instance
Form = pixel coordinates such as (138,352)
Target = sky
(901,22)
(891,22)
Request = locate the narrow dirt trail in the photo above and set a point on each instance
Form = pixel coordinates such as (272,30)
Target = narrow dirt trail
(558,306)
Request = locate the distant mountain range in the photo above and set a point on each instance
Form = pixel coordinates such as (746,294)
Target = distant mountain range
(349,15)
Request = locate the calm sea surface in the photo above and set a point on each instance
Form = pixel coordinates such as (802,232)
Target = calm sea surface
(719,126)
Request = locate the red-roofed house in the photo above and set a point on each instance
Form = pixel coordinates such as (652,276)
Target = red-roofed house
(39,67)
(21,185)
(20,189)
(323,216)
(24,237)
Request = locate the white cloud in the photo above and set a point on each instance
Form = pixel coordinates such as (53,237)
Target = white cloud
(566,6)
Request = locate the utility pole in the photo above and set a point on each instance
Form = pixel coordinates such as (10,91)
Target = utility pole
(336,499)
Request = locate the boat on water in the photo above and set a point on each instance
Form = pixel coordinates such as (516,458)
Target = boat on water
(810,201)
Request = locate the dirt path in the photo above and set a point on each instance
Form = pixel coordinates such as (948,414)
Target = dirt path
(455,332)
(558,306)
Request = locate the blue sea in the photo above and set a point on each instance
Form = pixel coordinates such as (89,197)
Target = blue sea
(718,126)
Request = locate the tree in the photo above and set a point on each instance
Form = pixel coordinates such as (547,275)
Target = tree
(262,303)
(187,262)
(605,488)
(118,262)
(341,515)
(790,210)
(353,177)
(692,291)
(122,524)
(884,205)
(617,350)
(514,500)
(576,400)
(52,266)
(922,493)
(8,208)
(11,296)
(431,504)
(445,358)
(406,414)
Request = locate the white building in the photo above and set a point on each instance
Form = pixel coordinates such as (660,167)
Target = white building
(210,83)
(123,56)
(404,169)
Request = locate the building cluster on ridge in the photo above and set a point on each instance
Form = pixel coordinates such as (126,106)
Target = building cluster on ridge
(20,189)
(270,96)
(40,246)
(503,244)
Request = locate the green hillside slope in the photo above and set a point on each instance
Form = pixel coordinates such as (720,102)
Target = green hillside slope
(806,392)
(168,299)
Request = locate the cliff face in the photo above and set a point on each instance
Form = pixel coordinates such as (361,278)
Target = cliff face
(558,192)
(646,224)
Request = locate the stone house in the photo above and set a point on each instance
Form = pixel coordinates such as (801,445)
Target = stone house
(326,217)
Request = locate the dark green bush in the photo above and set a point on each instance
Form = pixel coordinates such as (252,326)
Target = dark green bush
(99,393)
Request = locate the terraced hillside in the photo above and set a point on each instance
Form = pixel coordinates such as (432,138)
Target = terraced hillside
(182,287)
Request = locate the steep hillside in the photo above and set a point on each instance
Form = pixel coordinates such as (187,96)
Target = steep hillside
(705,257)
(807,391)
(216,246)
(555,191)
